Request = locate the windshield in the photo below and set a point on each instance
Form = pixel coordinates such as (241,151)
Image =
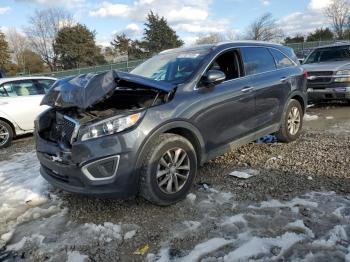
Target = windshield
(329,54)
(174,68)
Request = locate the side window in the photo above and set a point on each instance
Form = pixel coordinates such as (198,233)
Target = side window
(229,63)
(44,85)
(282,61)
(26,88)
(9,89)
(257,60)
(2,92)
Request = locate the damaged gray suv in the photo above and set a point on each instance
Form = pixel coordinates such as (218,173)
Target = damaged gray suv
(119,134)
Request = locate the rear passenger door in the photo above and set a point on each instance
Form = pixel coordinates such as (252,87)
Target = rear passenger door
(268,83)
(228,110)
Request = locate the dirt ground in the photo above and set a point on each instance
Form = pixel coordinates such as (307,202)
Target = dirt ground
(295,207)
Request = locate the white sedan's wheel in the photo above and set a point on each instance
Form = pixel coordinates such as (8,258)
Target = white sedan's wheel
(6,134)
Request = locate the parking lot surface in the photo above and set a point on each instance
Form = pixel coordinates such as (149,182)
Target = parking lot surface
(296,206)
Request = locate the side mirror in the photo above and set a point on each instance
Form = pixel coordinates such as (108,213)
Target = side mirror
(213,77)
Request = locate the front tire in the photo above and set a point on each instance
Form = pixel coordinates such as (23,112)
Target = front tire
(168,170)
(6,134)
(291,123)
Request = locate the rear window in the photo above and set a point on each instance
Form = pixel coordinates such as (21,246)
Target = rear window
(257,60)
(282,61)
(329,54)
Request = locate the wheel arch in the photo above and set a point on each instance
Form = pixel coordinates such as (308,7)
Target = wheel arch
(300,97)
(10,124)
(182,128)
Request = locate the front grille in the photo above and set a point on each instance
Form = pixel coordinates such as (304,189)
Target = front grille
(323,77)
(63,129)
(321,73)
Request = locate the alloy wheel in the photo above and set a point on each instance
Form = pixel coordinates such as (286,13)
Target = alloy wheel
(173,170)
(4,135)
(294,120)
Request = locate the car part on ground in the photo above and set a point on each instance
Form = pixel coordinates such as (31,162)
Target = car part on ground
(119,134)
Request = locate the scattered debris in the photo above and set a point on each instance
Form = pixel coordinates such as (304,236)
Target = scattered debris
(309,178)
(244,174)
(267,139)
(329,117)
(142,250)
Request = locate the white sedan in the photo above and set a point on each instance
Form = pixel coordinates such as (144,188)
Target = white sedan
(20,104)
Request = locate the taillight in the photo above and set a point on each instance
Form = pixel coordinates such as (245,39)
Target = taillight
(306,74)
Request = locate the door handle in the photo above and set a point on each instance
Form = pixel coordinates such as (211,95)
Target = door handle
(247,89)
(284,79)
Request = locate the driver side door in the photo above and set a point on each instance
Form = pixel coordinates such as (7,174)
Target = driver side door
(228,111)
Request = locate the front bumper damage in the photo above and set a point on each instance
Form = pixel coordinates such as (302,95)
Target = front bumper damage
(102,167)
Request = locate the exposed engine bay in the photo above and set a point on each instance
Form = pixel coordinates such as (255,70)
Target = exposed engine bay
(76,105)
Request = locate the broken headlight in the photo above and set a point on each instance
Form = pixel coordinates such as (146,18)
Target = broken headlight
(109,126)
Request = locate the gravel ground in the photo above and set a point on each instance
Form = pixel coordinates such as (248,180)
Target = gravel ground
(318,162)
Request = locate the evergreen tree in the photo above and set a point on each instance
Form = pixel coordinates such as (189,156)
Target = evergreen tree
(320,35)
(296,39)
(76,47)
(158,35)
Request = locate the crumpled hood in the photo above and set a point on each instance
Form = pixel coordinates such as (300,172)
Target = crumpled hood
(83,91)
(327,66)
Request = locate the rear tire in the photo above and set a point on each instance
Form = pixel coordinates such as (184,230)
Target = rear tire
(291,123)
(168,170)
(6,134)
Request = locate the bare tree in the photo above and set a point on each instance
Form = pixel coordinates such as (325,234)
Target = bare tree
(264,28)
(212,38)
(338,13)
(43,29)
(18,43)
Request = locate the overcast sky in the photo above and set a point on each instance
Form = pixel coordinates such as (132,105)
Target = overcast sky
(189,18)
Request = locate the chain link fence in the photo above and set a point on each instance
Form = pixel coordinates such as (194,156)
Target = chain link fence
(301,49)
(121,66)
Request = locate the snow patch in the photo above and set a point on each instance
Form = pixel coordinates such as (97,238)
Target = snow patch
(191,197)
(300,226)
(75,256)
(205,248)
(130,234)
(257,245)
(308,117)
(23,194)
(234,219)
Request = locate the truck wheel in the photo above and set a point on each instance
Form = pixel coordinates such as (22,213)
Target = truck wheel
(6,134)
(291,123)
(168,170)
